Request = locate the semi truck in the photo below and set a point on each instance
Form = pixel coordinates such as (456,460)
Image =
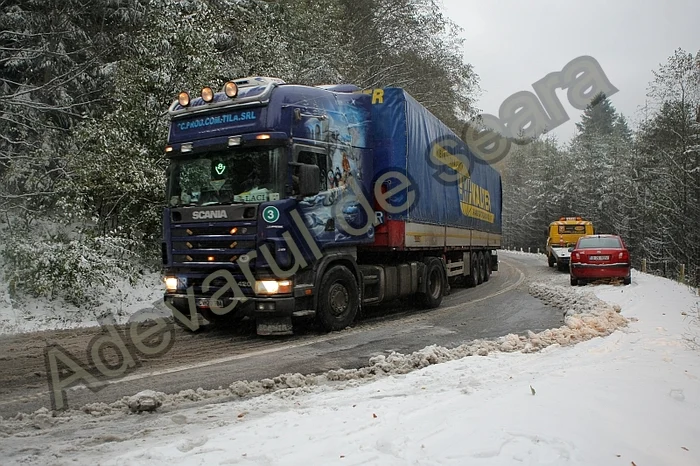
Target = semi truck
(562,234)
(289,201)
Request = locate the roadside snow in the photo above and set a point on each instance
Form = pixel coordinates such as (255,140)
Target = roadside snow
(632,396)
(119,302)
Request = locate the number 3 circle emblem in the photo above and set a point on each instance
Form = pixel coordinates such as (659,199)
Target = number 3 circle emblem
(271,214)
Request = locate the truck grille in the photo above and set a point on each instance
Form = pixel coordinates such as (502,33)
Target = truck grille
(219,244)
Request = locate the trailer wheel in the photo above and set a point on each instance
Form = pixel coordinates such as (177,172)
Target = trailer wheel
(338,299)
(473,279)
(487,266)
(434,286)
(480,273)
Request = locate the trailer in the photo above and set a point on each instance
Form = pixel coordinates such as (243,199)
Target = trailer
(289,201)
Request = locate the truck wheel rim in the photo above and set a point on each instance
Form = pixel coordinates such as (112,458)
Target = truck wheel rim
(339,299)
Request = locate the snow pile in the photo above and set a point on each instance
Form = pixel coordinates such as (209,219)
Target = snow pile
(587,317)
(570,301)
(146,400)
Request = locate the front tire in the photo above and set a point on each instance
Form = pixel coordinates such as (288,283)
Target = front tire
(550,260)
(338,299)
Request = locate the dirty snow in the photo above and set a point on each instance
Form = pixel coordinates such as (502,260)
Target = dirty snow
(619,384)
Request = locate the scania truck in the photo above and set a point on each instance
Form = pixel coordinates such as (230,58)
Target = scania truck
(289,201)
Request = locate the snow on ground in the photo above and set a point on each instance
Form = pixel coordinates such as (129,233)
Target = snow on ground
(628,392)
(120,302)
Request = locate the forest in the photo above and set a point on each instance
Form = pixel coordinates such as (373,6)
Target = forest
(84,89)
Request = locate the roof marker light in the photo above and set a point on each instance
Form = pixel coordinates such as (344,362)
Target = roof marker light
(231,89)
(207,94)
(183,99)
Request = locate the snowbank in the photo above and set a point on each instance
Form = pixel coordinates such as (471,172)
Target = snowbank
(120,302)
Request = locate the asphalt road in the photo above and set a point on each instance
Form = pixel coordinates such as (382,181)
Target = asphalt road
(216,357)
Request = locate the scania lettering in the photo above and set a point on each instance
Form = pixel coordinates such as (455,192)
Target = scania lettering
(209,214)
(287,202)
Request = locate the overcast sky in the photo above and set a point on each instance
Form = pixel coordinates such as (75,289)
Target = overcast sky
(512,44)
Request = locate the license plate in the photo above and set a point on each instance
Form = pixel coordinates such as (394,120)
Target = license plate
(207,303)
(599,258)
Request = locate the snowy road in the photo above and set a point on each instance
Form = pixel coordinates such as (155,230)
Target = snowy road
(217,358)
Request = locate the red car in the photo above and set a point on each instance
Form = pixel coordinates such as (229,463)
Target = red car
(599,256)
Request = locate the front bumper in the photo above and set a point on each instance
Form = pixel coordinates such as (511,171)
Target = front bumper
(617,270)
(254,307)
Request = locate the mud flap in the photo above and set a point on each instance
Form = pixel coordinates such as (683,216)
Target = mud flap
(268,326)
(494,261)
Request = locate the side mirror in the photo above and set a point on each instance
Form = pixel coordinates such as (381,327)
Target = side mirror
(309,180)
(571,249)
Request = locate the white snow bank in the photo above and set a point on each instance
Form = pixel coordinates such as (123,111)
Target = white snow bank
(533,252)
(120,302)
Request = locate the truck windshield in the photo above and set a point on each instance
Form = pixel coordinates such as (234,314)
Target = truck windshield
(227,177)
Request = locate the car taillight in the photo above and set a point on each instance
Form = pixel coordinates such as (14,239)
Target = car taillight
(624,255)
(577,256)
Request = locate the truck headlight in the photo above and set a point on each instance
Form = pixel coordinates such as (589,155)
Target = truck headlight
(273,286)
(171,283)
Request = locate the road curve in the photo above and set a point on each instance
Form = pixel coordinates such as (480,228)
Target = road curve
(216,358)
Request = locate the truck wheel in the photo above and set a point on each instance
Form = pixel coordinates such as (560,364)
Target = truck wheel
(480,274)
(550,260)
(434,285)
(487,266)
(473,279)
(338,299)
